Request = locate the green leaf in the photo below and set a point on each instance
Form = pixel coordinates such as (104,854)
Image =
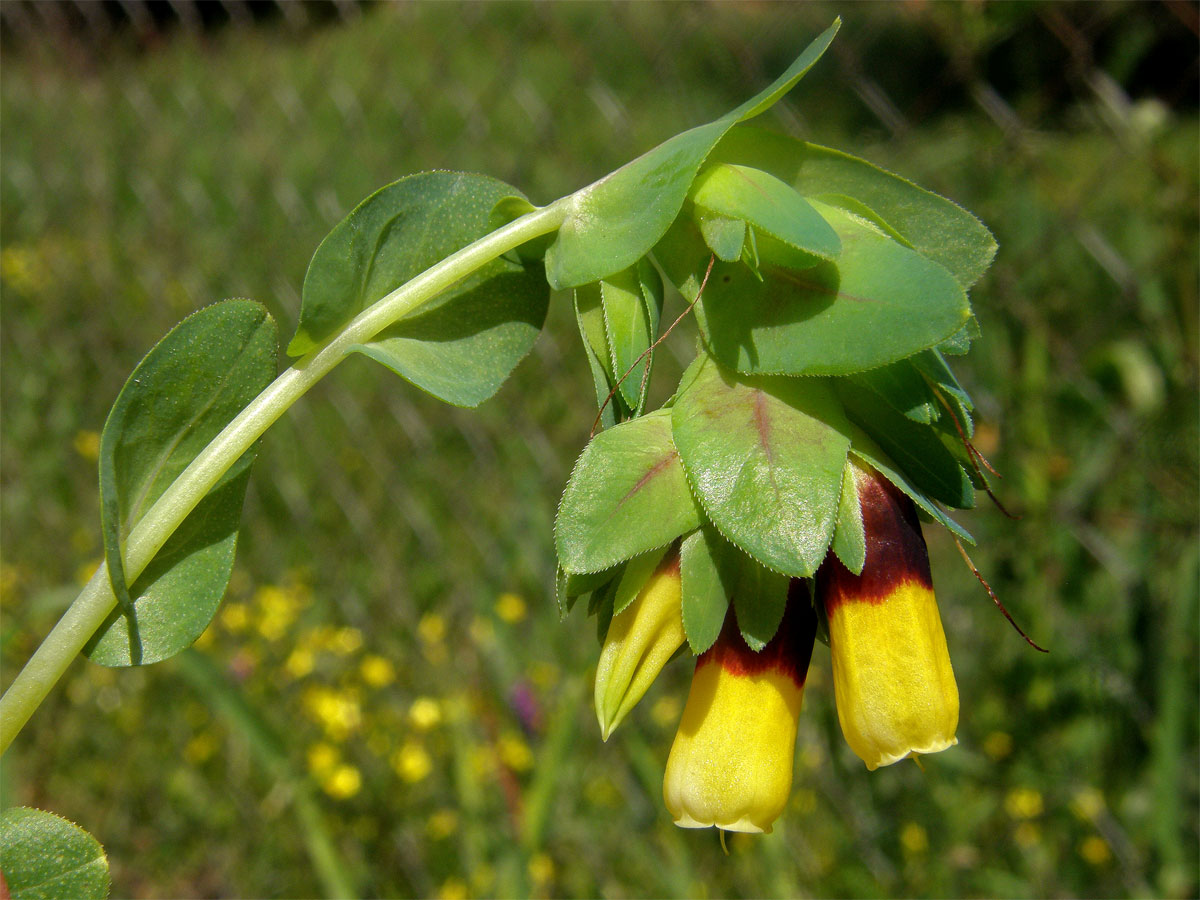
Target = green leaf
(652,292)
(850,538)
(600,605)
(463,344)
(902,386)
(569,587)
(759,601)
(713,572)
(508,209)
(723,235)
(960,342)
(769,205)
(45,857)
(626,495)
(185,391)
(614,222)
(933,366)
(629,331)
(589,316)
(917,449)
(683,254)
(865,448)
(706,592)
(934,226)
(765,458)
(879,303)
(637,572)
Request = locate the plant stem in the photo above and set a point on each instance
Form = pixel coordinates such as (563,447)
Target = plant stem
(96,600)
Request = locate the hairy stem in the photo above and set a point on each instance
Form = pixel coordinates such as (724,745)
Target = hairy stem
(96,600)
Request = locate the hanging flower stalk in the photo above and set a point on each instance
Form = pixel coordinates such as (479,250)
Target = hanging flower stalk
(790,471)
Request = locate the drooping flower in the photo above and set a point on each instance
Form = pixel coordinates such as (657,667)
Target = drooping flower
(731,763)
(640,641)
(893,683)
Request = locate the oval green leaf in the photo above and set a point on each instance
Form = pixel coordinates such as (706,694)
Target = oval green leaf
(185,391)
(759,600)
(850,537)
(464,343)
(626,495)
(45,857)
(589,316)
(765,458)
(935,227)
(614,222)
(629,325)
(768,204)
(724,236)
(706,586)
(879,303)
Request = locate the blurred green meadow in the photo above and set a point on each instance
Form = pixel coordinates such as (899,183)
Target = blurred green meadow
(387,704)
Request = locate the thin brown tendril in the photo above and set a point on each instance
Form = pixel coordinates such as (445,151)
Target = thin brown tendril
(973,453)
(662,337)
(987,587)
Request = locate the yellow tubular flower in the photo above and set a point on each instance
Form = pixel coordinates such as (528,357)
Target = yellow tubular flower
(731,763)
(892,679)
(640,641)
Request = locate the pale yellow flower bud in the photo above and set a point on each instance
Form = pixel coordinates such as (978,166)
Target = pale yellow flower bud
(640,641)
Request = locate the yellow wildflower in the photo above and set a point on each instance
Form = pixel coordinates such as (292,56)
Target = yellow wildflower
(731,762)
(425,713)
(411,762)
(377,671)
(510,608)
(895,690)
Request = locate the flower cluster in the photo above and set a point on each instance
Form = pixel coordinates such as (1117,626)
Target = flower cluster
(731,762)
(775,496)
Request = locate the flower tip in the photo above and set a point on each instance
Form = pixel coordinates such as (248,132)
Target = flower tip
(935,745)
(641,639)
(606,729)
(742,825)
(610,712)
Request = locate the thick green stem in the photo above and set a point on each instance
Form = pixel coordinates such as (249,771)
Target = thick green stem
(96,600)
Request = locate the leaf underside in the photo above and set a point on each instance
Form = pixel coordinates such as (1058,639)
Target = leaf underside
(463,344)
(186,390)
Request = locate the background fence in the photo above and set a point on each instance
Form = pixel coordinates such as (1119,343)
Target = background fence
(386,701)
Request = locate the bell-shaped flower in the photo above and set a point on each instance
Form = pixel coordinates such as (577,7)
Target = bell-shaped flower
(731,763)
(892,679)
(640,641)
